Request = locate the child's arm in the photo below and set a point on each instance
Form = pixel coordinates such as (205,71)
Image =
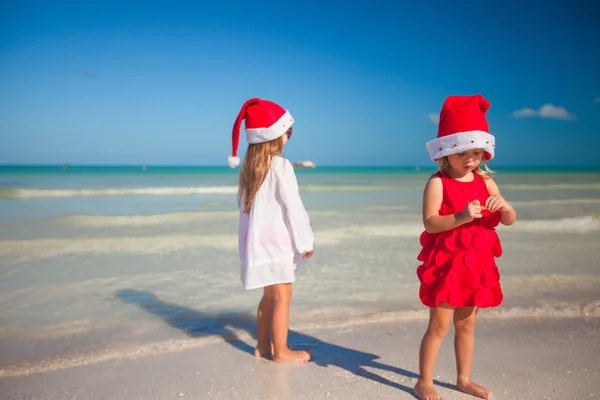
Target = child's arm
(432,201)
(496,202)
(289,193)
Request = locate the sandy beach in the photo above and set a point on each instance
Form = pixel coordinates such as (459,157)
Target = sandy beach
(540,358)
(121,296)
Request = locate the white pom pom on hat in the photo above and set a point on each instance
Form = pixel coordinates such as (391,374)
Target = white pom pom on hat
(264,120)
(234,161)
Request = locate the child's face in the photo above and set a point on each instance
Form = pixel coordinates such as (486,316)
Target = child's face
(466,161)
(286,136)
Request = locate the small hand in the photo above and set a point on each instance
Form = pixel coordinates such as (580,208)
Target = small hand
(308,255)
(472,210)
(496,203)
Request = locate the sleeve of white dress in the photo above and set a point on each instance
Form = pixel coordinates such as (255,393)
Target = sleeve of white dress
(297,216)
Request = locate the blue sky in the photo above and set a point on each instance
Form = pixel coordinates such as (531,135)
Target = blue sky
(161,83)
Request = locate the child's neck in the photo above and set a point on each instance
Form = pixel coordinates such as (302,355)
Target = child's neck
(462,177)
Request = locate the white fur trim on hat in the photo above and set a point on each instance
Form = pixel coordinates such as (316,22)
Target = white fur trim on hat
(461,141)
(261,135)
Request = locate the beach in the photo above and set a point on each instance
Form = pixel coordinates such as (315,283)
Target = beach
(516,358)
(124,283)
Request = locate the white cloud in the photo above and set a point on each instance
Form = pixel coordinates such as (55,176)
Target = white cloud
(524,112)
(557,112)
(434,118)
(546,111)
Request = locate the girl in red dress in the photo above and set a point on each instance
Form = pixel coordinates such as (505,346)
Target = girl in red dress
(462,205)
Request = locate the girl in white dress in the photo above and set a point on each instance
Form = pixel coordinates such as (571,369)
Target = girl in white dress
(274,229)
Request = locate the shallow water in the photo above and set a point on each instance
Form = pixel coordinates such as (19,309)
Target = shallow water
(148,260)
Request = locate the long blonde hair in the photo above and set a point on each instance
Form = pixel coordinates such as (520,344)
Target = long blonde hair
(482,169)
(255,168)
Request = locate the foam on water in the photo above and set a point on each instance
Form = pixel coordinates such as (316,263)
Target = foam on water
(29,193)
(145,220)
(582,224)
(25,193)
(28,250)
(185,217)
(551,186)
(551,202)
(351,188)
(35,249)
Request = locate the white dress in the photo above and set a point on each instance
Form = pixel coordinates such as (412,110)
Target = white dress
(277,233)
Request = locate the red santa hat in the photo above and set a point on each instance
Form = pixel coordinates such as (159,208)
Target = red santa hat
(265,121)
(462,127)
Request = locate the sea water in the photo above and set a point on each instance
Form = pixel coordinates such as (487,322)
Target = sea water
(104,259)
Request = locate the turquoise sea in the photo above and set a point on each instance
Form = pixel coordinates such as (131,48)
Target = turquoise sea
(32,191)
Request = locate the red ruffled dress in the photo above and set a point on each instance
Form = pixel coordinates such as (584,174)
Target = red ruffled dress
(459,265)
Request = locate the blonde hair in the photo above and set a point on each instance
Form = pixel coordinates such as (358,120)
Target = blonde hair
(485,172)
(255,168)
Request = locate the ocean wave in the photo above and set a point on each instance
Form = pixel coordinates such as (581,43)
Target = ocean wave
(352,188)
(39,249)
(550,186)
(32,193)
(26,193)
(583,224)
(18,250)
(182,217)
(185,217)
(550,202)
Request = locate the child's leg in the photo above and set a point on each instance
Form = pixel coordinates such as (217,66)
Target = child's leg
(264,319)
(439,323)
(464,345)
(282,296)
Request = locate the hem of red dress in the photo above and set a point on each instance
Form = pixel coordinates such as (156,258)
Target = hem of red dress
(436,305)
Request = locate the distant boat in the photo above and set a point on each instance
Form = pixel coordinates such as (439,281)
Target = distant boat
(144,167)
(65,166)
(305,164)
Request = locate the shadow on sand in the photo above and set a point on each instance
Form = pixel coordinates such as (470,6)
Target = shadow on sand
(195,324)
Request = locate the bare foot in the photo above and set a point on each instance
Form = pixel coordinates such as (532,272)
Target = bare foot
(292,356)
(466,385)
(426,391)
(263,351)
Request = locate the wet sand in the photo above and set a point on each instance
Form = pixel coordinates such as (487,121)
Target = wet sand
(539,358)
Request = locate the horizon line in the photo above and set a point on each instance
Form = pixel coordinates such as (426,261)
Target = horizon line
(432,165)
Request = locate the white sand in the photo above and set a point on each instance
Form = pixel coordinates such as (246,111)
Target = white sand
(516,358)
